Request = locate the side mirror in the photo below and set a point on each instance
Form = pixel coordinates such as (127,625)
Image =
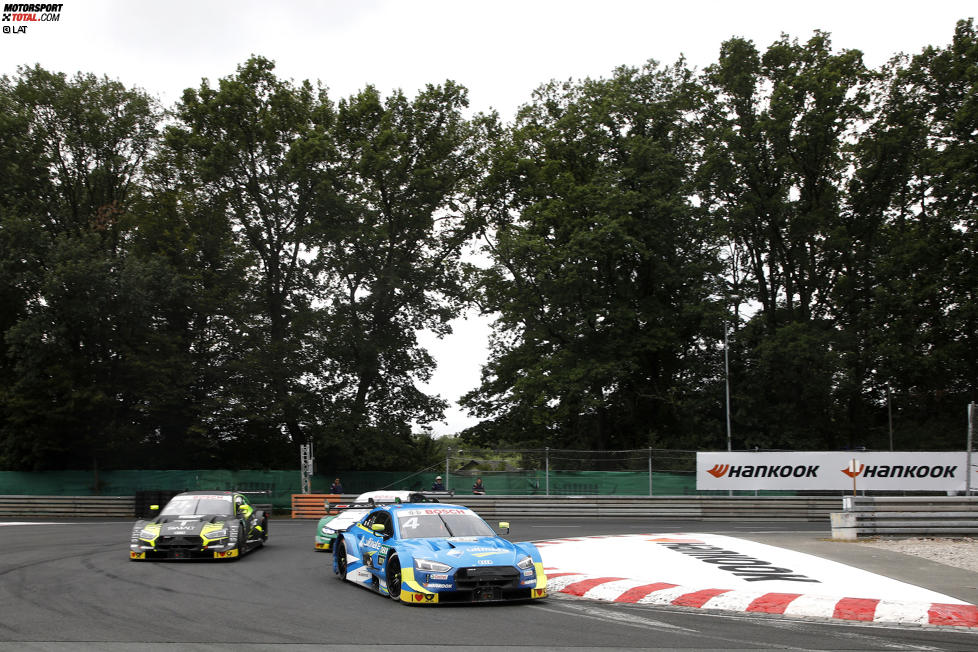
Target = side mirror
(378,528)
(503,525)
(154,508)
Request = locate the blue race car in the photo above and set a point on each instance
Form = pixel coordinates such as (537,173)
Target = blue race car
(425,554)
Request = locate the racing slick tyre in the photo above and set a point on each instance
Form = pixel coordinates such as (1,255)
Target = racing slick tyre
(339,550)
(242,541)
(394,578)
(264,530)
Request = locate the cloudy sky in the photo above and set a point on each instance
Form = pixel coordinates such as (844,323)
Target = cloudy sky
(499,50)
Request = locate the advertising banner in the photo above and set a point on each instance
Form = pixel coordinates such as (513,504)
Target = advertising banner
(834,471)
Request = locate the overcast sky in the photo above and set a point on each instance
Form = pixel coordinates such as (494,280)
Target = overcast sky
(500,50)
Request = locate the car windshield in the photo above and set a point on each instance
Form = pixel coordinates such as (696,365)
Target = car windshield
(199,505)
(444,522)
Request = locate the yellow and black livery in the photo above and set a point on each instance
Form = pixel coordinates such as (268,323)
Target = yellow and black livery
(200,525)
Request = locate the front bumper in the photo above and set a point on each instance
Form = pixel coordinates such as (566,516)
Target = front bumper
(184,554)
(325,543)
(479,584)
(189,547)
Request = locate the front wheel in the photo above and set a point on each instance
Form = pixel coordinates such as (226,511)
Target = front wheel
(339,551)
(394,578)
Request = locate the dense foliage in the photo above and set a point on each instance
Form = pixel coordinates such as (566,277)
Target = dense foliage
(212,284)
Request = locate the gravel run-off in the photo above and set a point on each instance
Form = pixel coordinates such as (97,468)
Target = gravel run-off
(960,552)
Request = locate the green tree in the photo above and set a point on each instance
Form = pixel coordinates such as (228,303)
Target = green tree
(73,149)
(776,166)
(389,241)
(603,273)
(916,182)
(252,151)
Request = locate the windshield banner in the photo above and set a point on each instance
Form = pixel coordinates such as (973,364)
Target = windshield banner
(871,471)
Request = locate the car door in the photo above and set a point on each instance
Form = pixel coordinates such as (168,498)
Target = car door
(372,540)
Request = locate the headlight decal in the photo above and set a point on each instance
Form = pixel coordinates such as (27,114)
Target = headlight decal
(429,566)
(149,533)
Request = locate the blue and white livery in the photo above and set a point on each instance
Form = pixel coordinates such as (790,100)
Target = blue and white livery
(423,553)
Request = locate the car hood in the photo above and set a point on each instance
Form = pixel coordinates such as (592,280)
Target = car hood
(187,526)
(345,519)
(466,551)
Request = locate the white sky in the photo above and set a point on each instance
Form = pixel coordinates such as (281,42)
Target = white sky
(500,50)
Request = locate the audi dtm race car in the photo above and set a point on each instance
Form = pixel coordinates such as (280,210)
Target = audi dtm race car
(425,554)
(200,525)
(330,525)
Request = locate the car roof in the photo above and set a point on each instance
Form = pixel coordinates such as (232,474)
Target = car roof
(429,506)
(206,493)
(384,494)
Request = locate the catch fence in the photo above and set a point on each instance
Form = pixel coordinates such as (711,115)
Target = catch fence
(514,472)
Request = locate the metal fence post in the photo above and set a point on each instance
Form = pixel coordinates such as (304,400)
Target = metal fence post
(650,470)
(546,473)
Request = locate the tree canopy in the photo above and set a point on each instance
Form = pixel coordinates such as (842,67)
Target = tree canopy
(215,283)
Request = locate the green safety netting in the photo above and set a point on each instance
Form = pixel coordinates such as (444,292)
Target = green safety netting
(277,487)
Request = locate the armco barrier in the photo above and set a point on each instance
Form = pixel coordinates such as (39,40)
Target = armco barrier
(699,508)
(907,516)
(66,506)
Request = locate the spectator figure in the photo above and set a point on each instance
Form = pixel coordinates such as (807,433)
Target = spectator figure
(336,487)
(437,485)
(477,488)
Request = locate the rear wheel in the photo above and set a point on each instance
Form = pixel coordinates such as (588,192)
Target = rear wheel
(339,551)
(394,578)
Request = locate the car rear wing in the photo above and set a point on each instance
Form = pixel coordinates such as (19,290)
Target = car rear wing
(414,497)
(433,496)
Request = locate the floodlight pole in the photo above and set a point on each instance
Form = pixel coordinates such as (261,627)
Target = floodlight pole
(726,379)
(971,433)
(889,413)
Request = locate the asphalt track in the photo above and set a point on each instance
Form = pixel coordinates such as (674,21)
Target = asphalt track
(70,586)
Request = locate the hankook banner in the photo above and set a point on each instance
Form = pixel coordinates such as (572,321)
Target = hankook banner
(872,471)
